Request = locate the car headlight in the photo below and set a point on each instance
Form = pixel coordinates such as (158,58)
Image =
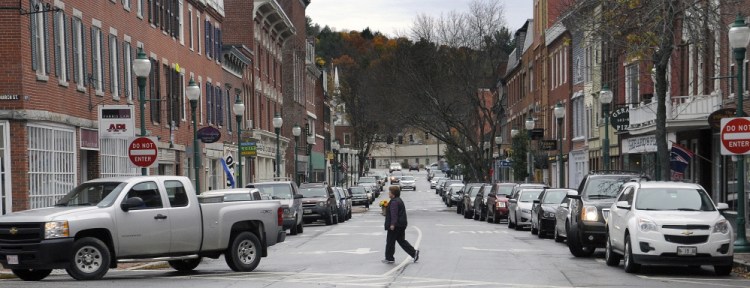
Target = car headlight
(721,227)
(549,215)
(646,225)
(500,204)
(56,229)
(590,213)
(322,203)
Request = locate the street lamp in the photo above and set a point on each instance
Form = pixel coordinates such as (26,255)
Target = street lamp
(335,147)
(560,114)
(142,68)
(529,126)
(739,38)
(310,143)
(345,153)
(296,131)
(193,93)
(513,132)
(277,122)
(605,97)
(498,143)
(239,111)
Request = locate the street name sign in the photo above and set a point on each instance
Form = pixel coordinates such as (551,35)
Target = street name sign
(735,136)
(143,152)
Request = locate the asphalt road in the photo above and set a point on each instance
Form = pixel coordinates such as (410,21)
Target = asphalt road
(455,252)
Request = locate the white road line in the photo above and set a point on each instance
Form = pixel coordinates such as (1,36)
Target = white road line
(407,259)
(692,281)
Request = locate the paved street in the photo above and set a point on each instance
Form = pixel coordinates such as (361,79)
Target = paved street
(455,252)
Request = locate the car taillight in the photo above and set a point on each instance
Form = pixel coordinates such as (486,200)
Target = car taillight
(500,204)
(280,213)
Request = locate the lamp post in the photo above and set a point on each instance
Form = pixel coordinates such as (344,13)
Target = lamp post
(277,122)
(345,154)
(605,97)
(335,147)
(142,68)
(193,92)
(513,133)
(739,38)
(529,126)
(498,143)
(310,143)
(296,131)
(239,111)
(560,114)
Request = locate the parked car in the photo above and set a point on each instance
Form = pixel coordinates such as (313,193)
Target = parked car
(396,177)
(562,220)
(432,167)
(435,173)
(543,210)
(439,185)
(454,194)
(596,193)
(287,193)
(408,182)
(466,204)
(498,200)
(373,182)
(444,189)
(519,215)
(394,167)
(359,196)
(370,194)
(318,203)
(671,223)
(138,218)
(340,205)
(346,202)
(433,182)
(480,202)
(414,167)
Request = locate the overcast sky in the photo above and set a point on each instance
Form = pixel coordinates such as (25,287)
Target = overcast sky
(393,16)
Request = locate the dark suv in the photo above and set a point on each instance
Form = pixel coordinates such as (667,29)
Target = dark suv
(588,210)
(318,203)
(287,193)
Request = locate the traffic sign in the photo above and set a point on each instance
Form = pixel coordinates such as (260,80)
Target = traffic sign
(142,151)
(735,136)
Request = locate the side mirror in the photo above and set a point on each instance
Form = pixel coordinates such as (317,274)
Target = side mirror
(623,205)
(722,206)
(131,202)
(564,205)
(512,201)
(577,197)
(298,196)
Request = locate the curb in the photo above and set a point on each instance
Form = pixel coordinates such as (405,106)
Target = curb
(742,262)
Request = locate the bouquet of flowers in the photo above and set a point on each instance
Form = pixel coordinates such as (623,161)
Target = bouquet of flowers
(383,207)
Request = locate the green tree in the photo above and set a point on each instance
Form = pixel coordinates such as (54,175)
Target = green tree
(518,157)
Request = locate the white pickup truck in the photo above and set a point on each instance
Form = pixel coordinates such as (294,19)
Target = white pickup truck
(136,219)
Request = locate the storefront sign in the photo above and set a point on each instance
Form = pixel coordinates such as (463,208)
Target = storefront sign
(643,144)
(620,119)
(209,134)
(548,145)
(249,147)
(714,120)
(10,97)
(116,121)
(89,139)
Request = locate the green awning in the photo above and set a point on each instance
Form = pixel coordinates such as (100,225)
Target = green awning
(318,161)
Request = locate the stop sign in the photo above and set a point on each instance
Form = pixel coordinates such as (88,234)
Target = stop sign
(735,136)
(142,151)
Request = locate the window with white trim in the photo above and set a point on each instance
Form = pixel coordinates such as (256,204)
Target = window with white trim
(631,83)
(62,38)
(140,9)
(198,30)
(39,40)
(579,116)
(114,67)
(96,58)
(190,26)
(126,4)
(79,61)
(52,164)
(127,57)
(114,158)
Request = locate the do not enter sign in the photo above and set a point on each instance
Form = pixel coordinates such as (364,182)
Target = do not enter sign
(735,136)
(142,151)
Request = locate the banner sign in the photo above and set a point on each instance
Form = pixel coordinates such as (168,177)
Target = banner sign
(548,145)
(249,147)
(116,121)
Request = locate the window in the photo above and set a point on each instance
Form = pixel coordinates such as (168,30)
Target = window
(209,38)
(218,99)
(39,41)
(176,193)
(209,103)
(179,22)
(52,164)
(126,4)
(217,44)
(114,66)
(62,40)
(79,62)
(347,139)
(198,30)
(174,95)
(155,91)
(127,73)
(228,109)
(578,117)
(531,79)
(96,58)
(190,27)
(149,193)
(578,70)
(140,8)
(114,158)
(631,83)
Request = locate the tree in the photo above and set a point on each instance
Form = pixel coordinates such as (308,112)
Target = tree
(650,31)
(518,157)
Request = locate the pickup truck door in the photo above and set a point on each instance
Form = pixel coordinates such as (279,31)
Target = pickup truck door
(185,218)
(143,230)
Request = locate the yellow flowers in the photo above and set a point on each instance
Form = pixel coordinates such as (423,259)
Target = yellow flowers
(384,203)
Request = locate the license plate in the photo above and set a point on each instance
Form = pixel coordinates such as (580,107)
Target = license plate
(12,259)
(307,211)
(687,251)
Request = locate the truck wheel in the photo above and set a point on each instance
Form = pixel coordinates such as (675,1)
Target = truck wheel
(244,253)
(184,265)
(31,274)
(90,259)
(575,246)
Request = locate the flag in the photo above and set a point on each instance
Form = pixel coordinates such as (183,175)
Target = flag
(679,160)
(230,177)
